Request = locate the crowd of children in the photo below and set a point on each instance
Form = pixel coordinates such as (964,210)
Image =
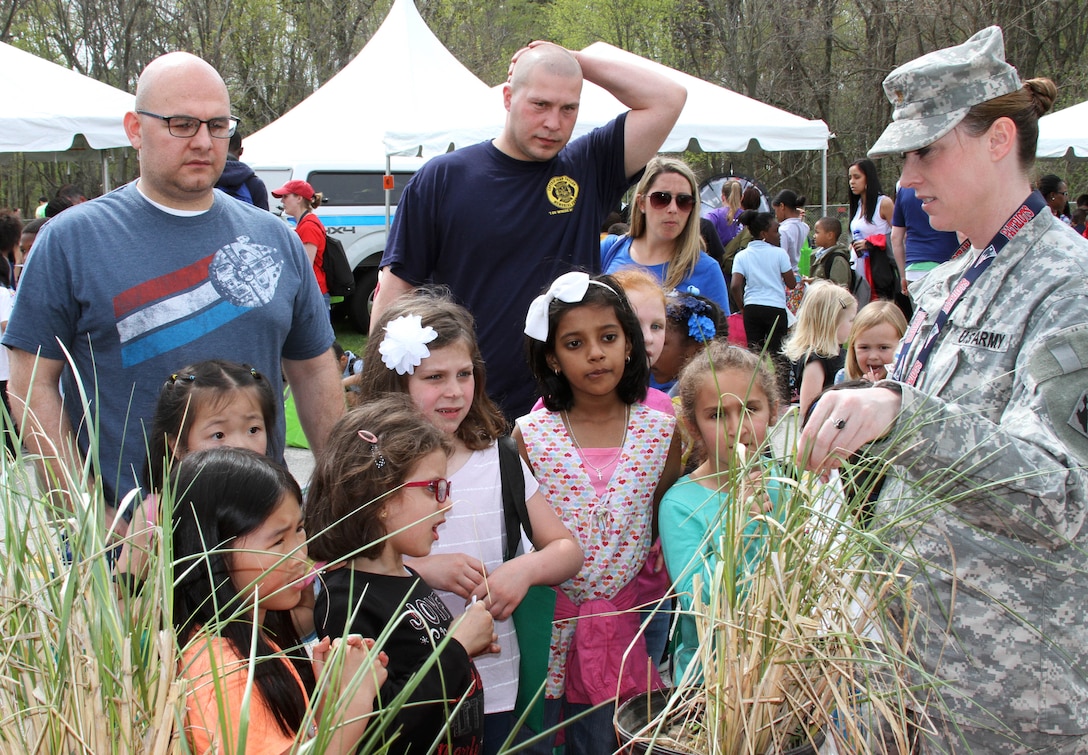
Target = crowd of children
(434,531)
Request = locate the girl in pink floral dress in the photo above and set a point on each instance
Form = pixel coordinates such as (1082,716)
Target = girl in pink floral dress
(603,460)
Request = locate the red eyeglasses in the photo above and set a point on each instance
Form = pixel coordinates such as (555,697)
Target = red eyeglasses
(659,200)
(439,487)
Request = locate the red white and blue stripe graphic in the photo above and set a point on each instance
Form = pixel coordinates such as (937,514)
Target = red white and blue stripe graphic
(177,308)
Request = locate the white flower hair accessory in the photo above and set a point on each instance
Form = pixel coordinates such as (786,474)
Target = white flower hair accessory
(569,287)
(405,343)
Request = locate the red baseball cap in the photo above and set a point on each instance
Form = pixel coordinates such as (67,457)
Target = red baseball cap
(296,186)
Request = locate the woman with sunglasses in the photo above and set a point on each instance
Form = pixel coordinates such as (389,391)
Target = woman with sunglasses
(299,201)
(1056,193)
(664,238)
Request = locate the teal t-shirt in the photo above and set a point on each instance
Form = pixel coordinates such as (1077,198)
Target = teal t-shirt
(696,525)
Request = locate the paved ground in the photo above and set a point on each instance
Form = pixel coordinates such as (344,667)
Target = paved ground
(301,463)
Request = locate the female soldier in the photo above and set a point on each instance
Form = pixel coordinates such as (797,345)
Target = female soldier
(986,418)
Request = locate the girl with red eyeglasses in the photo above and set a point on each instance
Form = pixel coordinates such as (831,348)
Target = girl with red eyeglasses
(424,345)
(379,493)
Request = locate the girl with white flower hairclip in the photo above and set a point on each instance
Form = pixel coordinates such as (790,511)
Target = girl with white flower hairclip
(425,345)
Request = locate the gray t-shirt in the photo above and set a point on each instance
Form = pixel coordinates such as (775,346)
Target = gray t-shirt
(135,293)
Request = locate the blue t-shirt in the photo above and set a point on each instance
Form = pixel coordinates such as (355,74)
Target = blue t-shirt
(762,266)
(135,293)
(923,243)
(707,276)
(498,231)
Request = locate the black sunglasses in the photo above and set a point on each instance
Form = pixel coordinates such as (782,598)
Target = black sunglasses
(659,200)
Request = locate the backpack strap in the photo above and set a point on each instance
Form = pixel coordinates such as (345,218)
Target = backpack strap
(515,513)
(828,258)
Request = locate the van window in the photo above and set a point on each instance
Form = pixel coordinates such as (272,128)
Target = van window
(273,179)
(354,188)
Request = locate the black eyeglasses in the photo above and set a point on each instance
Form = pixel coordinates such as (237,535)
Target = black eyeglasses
(186,126)
(659,200)
(440,487)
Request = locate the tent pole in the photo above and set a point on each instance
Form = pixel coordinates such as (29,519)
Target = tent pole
(105,173)
(823,172)
(388,192)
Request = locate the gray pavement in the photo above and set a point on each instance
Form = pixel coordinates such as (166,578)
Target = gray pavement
(301,463)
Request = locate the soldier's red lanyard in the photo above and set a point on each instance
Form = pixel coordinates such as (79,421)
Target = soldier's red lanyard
(1032,206)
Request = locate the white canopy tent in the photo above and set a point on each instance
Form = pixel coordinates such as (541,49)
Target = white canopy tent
(65,114)
(714,119)
(404,70)
(61,105)
(1063,131)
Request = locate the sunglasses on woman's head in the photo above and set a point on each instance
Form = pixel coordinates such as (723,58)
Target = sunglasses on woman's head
(659,200)
(440,487)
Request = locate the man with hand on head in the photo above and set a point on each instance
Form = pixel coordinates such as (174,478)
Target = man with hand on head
(499,220)
(161,273)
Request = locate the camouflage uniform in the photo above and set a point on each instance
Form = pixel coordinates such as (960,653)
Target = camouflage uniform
(992,492)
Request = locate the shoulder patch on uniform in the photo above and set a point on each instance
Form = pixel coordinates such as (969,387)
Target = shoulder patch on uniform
(1057,368)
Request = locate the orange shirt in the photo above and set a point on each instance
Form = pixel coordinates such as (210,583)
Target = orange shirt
(207,729)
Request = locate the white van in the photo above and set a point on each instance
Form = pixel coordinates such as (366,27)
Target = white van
(354,210)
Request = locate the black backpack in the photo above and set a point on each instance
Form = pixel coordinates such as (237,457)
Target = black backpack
(859,286)
(883,270)
(338,276)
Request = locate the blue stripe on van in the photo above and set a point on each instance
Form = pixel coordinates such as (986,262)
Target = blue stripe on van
(353,219)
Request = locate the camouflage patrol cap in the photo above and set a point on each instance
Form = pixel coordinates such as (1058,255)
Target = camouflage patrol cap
(933,93)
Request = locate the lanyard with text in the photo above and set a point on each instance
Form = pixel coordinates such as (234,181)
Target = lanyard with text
(1032,206)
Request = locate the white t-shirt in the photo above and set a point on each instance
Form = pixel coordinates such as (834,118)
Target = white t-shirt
(859,225)
(474,526)
(792,233)
(762,266)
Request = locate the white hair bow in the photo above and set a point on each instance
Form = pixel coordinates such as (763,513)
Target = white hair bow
(568,287)
(405,343)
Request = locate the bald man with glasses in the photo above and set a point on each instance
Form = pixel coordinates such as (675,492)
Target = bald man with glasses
(161,273)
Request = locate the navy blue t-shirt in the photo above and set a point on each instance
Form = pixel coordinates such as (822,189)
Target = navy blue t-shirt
(498,231)
(923,243)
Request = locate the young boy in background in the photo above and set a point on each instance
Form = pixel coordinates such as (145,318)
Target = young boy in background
(831,258)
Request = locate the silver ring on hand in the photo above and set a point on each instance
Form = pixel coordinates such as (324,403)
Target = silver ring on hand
(839,423)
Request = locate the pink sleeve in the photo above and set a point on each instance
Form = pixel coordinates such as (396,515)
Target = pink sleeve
(660,400)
